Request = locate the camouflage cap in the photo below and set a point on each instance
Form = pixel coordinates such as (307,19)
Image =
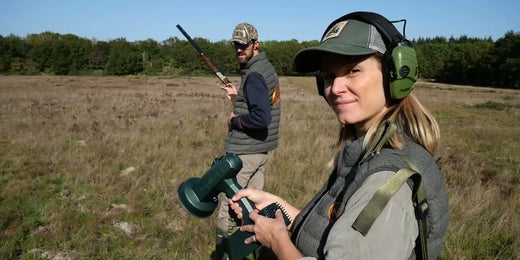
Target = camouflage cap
(244,33)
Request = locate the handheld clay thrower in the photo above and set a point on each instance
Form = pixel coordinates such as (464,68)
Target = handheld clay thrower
(199,197)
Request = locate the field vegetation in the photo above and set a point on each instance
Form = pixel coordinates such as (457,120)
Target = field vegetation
(464,60)
(90,166)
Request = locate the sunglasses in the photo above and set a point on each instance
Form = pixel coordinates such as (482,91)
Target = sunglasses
(237,45)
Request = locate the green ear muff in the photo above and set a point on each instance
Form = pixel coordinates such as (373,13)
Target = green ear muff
(403,78)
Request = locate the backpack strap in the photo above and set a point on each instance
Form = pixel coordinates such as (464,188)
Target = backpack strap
(380,138)
(375,206)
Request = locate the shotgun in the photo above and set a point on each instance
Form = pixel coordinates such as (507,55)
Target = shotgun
(212,66)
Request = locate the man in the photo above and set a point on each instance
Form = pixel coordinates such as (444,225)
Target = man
(253,124)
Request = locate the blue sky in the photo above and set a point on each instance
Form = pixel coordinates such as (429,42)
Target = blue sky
(275,20)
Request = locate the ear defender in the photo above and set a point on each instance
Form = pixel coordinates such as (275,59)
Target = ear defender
(320,83)
(401,60)
(403,78)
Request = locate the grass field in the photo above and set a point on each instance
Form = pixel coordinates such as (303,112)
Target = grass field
(90,166)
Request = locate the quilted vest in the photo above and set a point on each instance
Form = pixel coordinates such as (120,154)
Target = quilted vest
(312,226)
(257,140)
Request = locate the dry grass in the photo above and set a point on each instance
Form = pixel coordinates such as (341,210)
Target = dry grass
(89,166)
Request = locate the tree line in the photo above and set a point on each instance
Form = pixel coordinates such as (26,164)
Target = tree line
(464,60)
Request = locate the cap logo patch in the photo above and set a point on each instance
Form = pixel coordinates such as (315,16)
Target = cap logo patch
(335,31)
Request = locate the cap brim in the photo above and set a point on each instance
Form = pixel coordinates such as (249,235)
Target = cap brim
(238,40)
(309,60)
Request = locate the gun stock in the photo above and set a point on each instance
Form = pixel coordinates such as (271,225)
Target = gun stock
(211,65)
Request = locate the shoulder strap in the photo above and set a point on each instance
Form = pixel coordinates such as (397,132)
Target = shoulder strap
(380,138)
(378,202)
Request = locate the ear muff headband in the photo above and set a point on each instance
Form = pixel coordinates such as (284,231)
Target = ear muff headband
(400,70)
(391,36)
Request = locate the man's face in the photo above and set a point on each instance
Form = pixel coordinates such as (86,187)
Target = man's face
(244,51)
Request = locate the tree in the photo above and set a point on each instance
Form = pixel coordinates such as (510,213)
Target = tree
(150,56)
(123,58)
(98,55)
(506,65)
(431,57)
(462,60)
(39,53)
(281,54)
(13,53)
(60,58)
(224,56)
(79,49)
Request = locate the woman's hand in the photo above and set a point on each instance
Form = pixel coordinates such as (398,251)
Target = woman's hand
(259,198)
(271,233)
(267,231)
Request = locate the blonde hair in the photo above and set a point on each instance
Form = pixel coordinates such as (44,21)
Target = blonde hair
(412,119)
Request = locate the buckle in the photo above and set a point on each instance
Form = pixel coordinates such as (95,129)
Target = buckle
(421,209)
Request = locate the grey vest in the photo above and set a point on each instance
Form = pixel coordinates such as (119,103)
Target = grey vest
(258,140)
(312,226)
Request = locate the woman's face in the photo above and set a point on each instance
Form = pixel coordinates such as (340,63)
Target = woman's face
(354,89)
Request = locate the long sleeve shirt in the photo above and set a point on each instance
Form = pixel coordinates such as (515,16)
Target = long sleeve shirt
(257,96)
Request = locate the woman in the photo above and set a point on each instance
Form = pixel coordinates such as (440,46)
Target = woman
(383,128)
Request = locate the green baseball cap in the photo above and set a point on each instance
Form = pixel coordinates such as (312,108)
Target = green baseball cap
(347,37)
(244,33)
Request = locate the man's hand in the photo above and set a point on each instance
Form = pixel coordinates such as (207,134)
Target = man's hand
(230,124)
(231,91)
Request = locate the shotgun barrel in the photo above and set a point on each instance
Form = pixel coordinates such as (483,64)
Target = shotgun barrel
(211,65)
